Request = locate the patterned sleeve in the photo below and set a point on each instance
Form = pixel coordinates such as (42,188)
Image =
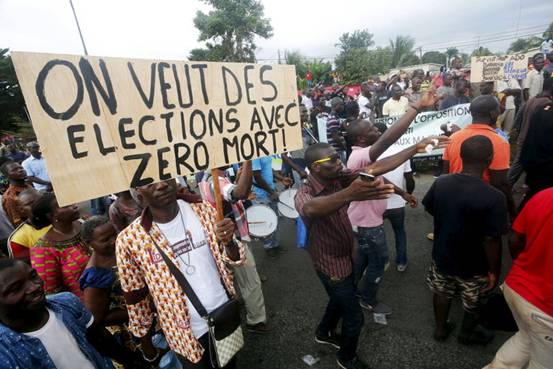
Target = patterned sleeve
(46,263)
(134,288)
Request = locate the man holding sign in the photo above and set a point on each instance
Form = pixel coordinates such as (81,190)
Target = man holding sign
(200,247)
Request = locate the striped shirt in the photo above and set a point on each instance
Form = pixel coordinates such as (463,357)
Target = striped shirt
(333,126)
(330,241)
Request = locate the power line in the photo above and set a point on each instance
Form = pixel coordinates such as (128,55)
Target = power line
(491,35)
(480,42)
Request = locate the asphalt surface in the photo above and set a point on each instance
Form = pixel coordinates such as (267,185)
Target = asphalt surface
(295,301)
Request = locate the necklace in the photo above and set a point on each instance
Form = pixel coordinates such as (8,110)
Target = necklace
(190,269)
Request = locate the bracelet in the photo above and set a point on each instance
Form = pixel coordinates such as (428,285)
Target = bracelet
(417,110)
(150,360)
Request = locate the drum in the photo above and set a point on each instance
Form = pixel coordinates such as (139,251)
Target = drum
(286,205)
(262,221)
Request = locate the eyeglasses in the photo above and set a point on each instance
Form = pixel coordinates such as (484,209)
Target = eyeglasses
(332,159)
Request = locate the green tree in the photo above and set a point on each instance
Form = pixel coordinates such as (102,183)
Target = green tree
(229,30)
(297,59)
(434,57)
(402,51)
(465,58)
(352,63)
(451,52)
(319,70)
(353,66)
(12,105)
(548,34)
(481,51)
(525,44)
(359,39)
(379,60)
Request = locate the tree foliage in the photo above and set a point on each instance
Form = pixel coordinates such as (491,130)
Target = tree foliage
(465,58)
(525,44)
(352,63)
(402,51)
(434,57)
(481,51)
(359,39)
(548,34)
(12,105)
(379,60)
(319,69)
(352,66)
(229,30)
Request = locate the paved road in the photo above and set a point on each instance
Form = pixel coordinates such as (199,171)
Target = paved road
(295,300)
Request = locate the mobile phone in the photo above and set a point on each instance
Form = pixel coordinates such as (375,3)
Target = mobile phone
(366,177)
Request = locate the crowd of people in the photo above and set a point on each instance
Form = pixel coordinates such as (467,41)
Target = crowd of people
(146,280)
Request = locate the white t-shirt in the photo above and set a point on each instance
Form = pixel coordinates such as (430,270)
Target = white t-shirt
(396,177)
(533,82)
(394,108)
(505,85)
(362,101)
(60,344)
(307,102)
(187,239)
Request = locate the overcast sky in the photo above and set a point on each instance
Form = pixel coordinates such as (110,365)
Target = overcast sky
(164,29)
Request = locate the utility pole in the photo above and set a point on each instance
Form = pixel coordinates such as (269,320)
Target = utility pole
(278,56)
(78,26)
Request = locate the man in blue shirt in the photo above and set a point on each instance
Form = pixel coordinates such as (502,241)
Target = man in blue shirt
(35,166)
(53,333)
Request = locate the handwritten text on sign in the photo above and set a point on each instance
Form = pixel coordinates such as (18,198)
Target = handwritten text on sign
(498,68)
(108,124)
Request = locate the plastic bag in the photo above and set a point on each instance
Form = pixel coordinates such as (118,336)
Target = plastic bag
(301,233)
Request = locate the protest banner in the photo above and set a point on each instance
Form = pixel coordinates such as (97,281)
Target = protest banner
(498,67)
(428,124)
(108,124)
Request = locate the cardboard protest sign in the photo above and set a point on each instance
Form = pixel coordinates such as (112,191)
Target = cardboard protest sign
(108,124)
(498,68)
(428,124)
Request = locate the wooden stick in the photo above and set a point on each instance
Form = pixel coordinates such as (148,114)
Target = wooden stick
(217,194)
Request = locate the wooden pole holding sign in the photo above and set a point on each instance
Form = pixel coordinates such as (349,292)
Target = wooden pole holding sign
(217,194)
(108,124)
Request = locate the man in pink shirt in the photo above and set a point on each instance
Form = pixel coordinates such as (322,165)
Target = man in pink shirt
(368,216)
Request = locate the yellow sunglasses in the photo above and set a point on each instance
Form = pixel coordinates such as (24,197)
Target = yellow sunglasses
(332,158)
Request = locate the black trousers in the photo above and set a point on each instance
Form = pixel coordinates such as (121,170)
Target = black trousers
(205,363)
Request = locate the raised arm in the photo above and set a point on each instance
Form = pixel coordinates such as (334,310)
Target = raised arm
(244,183)
(393,133)
(358,190)
(390,163)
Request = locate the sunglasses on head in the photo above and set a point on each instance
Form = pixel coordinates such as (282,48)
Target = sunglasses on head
(332,159)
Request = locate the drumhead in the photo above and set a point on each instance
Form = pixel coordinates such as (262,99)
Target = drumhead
(262,220)
(286,204)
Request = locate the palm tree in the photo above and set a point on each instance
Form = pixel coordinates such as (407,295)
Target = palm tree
(402,50)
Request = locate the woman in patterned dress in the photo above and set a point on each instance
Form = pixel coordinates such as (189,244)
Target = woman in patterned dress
(99,282)
(102,293)
(59,256)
